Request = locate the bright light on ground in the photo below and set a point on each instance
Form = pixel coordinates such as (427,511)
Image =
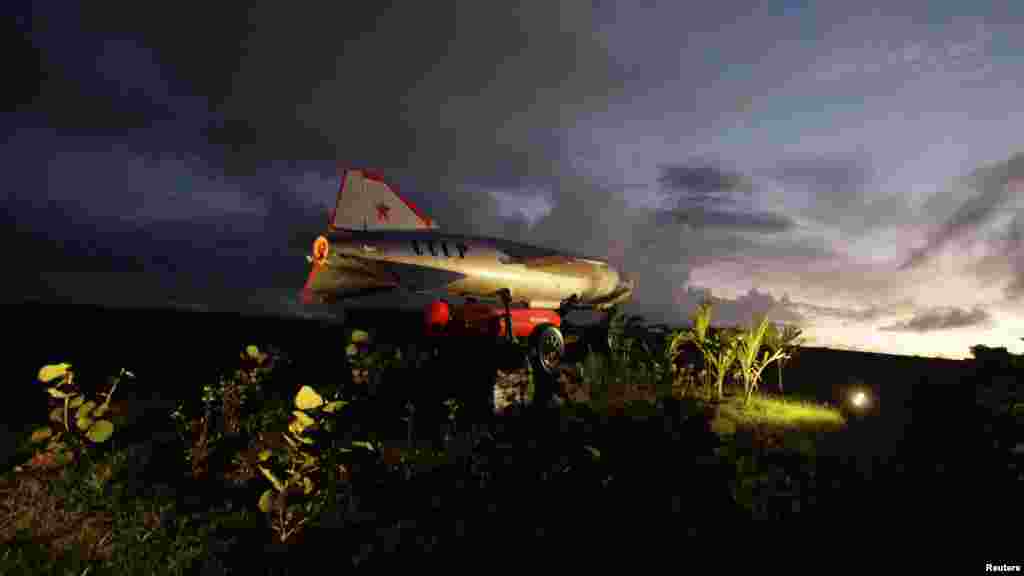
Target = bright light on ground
(860,399)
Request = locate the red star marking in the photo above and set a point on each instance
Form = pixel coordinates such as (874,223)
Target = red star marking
(382,212)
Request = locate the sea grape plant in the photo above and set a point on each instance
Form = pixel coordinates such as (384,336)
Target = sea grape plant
(73,419)
(453,405)
(226,398)
(292,467)
(366,353)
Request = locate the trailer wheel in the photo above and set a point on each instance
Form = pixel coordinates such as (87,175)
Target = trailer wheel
(547,348)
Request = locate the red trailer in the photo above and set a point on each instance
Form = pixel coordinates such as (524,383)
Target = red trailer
(540,328)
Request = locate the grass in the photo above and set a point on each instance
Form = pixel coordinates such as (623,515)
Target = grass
(784,413)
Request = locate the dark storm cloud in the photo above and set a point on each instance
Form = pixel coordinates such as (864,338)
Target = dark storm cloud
(433,95)
(699,192)
(742,311)
(842,179)
(157,139)
(1003,258)
(757,222)
(993,186)
(1014,253)
(836,184)
(91,221)
(868,314)
(96,73)
(942,319)
(702,178)
(841,192)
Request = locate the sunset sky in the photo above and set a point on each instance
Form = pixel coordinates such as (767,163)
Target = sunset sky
(854,168)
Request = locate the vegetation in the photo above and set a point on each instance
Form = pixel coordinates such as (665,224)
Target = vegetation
(323,465)
(66,437)
(787,340)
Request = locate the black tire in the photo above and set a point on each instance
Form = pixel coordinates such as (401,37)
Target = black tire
(547,348)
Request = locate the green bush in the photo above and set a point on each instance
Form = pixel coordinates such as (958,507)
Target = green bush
(75,423)
(309,457)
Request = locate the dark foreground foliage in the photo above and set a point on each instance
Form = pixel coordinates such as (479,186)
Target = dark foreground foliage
(562,486)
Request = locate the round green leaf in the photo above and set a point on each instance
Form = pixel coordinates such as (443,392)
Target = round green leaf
(301,438)
(84,409)
(307,399)
(302,421)
(84,423)
(57,415)
(100,431)
(266,500)
(76,401)
(273,479)
(334,406)
(40,434)
(57,393)
(308,461)
(51,372)
(291,442)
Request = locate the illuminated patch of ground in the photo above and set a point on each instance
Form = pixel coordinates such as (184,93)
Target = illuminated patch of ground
(777,412)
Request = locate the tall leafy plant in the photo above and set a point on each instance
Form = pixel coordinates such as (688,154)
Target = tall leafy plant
(696,336)
(717,348)
(748,344)
(307,458)
(720,353)
(701,338)
(788,340)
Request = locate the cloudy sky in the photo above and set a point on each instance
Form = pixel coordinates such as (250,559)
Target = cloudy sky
(854,168)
